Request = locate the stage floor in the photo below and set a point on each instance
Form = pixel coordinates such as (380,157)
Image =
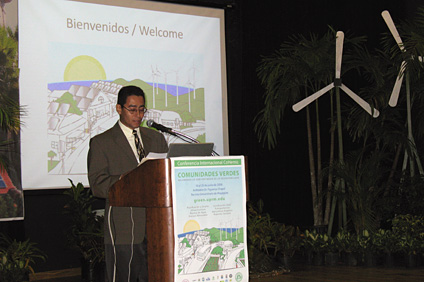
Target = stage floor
(299,273)
(346,274)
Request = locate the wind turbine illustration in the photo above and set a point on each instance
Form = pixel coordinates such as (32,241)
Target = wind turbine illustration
(396,90)
(338,84)
(189,84)
(155,74)
(166,87)
(194,79)
(176,80)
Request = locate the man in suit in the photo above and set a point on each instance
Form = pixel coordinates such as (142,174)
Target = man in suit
(111,155)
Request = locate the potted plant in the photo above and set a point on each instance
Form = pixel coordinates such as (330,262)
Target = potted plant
(260,238)
(288,240)
(85,232)
(386,243)
(367,247)
(315,243)
(259,229)
(331,254)
(348,246)
(410,233)
(17,258)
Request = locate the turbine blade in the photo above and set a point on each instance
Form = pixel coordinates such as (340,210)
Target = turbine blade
(391,25)
(361,102)
(339,52)
(396,89)
(300,105)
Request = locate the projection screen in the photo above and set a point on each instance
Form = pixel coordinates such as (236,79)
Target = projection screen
(74,56)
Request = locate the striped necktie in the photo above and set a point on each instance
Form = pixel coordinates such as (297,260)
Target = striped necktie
(139,147)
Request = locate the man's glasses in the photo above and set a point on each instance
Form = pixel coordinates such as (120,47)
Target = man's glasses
(133,111)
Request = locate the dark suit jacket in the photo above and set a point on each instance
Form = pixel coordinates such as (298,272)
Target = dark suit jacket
(110,156)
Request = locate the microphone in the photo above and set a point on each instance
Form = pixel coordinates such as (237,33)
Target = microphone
(151,123)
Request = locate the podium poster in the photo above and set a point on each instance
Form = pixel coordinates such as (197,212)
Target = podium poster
(209,205)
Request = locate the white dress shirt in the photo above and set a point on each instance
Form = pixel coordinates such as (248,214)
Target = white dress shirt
(128,132)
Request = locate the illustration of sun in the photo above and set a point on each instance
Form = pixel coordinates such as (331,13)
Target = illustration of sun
(191,225)
(84,68)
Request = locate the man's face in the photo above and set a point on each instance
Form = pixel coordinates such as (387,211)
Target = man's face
(129,118)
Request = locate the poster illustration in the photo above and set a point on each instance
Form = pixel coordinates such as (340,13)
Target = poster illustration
(209,204)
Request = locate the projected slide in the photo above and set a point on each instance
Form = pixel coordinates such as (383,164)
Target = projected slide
(75,57)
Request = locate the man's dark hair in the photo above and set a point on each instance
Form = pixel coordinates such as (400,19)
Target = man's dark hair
(129,91)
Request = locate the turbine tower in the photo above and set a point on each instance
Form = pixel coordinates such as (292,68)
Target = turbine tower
(190,86)
(154,76)
(395,96)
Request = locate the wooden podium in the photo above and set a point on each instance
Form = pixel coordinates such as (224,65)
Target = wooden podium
(149,186)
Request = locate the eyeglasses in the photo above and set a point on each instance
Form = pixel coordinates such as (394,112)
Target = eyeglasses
(141,110)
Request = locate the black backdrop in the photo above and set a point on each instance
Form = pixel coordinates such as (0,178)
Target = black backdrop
(280,177)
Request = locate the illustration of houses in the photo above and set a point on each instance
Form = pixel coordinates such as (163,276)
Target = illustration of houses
(171,119)
(203,252)
(76,114)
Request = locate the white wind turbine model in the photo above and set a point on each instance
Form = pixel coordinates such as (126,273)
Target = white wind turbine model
(340,184)
(396,90)
(337,83)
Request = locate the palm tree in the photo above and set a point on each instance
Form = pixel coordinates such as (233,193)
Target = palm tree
(390,133)
(414,43)
(364,173)
(408,55)
(300,67)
